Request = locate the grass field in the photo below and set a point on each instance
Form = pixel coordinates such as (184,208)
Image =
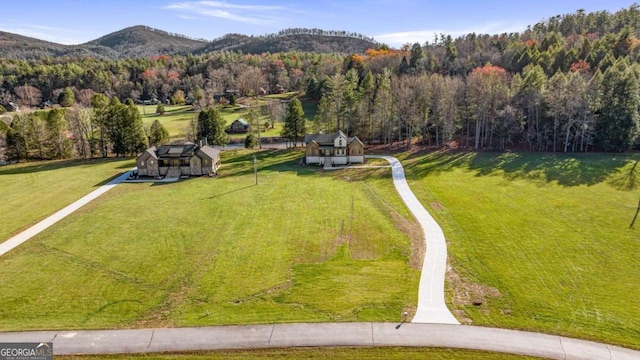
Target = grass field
(320,353)
(30,192)
(176,118)
(538,241)
(542,241)
(300,246)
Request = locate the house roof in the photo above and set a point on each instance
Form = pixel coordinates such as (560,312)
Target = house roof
(243,122)
(210,152)
(324,139)
(152,152)
(176,150)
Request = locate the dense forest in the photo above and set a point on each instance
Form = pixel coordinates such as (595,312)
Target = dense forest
(569,83)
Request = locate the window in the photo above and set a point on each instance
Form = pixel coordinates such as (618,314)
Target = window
(142,163)
(340,142)
(205,162)
(150,162)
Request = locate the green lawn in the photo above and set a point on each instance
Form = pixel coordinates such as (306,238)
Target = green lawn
(176,118)
(346,353)
(301,246)
(29,192)
(542,241)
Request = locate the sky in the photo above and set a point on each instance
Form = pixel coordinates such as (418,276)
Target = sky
(394,22)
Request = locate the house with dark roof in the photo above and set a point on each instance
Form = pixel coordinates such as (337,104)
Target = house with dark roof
(178,159)
(239,126)
(333,149)
(11,106)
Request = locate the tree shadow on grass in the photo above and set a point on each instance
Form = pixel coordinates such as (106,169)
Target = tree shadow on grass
(33,167)
(626,178)
(564,169)
(228,192)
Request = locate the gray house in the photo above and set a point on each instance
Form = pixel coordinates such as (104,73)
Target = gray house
(239,126)
(180,158)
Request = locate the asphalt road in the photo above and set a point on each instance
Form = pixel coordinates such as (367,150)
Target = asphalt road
(322,335)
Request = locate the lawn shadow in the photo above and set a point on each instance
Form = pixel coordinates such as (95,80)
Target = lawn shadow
(33,167)
(564,169)
(229,192)
(625,179)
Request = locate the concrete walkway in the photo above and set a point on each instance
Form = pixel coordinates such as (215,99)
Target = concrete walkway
(319,335)
(59,215)
(431,305)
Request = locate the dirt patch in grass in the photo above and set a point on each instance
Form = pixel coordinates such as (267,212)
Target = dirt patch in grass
(274,290)
(161,315)
(436,206)
(467,293)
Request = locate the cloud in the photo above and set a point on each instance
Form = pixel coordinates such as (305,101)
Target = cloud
(251,14)
(47,33)
(421,36)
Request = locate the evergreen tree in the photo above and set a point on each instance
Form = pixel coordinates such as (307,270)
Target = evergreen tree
(295,122)
(617,121)
(57,144)
(67,98)
(417,54)
(136,139)
(158,134)
(211,126)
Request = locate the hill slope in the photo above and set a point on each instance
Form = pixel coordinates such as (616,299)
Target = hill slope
(143,41)
(294,42)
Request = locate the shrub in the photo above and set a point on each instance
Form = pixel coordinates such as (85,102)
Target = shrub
(250,141)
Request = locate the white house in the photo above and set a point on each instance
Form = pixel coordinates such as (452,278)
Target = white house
(336,148)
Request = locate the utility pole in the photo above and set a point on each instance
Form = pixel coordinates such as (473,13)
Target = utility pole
(255,168)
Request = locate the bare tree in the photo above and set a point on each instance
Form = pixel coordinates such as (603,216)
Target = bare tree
(28,95)
(80,124)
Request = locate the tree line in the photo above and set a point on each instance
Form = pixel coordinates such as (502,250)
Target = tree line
(569,83)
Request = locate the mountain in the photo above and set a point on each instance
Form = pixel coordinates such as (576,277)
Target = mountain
(143,42)
(292,42)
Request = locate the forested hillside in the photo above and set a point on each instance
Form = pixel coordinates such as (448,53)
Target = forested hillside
(144,42)
(569,83)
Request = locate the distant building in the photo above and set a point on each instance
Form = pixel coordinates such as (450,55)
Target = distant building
(178,159)
(333,149)
(46,104)
(11,106)
(239,126)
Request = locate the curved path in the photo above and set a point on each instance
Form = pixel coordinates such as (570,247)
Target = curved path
(318,335)
(431,305)
(59,215)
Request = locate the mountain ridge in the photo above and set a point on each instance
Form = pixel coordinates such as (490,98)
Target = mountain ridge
(144,41)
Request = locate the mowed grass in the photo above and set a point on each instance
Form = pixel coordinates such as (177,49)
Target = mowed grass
(29,192)
(176,118)
(346,353)
(542,241)
(302,245)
